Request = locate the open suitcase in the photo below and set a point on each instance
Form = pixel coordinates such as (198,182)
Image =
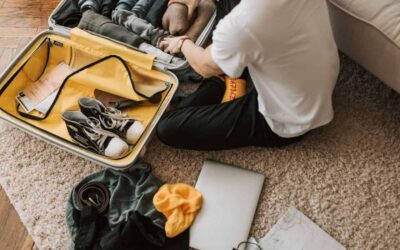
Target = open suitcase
(100,64)
(182,70)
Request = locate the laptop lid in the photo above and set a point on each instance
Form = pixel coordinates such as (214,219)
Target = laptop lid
(230,197)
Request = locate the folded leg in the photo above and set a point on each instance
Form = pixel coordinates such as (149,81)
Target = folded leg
(218,126)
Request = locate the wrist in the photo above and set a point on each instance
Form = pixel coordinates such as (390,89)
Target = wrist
(182,42)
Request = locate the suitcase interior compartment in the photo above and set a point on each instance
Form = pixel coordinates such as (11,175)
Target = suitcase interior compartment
(70,7)
(112,68)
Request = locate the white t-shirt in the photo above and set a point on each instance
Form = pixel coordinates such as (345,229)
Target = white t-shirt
(289,49)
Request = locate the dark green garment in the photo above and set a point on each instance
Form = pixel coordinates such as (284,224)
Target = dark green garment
(130,192)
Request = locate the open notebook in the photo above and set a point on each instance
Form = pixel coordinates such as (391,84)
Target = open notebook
(294,231)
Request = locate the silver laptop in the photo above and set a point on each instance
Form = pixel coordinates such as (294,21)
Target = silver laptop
(230,197)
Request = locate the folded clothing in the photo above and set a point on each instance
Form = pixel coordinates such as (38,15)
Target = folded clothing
(151,10)
(142,7)
(141,234)
(138,26)
(156,12)
(69,15)
(102,25)
(126,4)
(160,55)
(180,204)
(129,210)
(104,7)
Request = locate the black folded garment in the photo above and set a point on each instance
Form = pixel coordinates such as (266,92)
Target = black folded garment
(139,26)
(126,4)
(69,15)
(140,233)
(107,6)
(104,7)
(156,13)
(72,20)
(85,5)
(142,7)
(102,25)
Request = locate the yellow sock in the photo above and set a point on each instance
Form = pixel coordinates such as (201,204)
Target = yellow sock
(235,88)
(180,204)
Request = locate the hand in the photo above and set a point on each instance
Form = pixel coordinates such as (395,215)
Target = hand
(190,4)
(171,44)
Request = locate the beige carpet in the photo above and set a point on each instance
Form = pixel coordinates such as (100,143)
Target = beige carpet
(345,177)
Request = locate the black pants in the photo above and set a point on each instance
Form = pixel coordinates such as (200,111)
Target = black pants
(202,122)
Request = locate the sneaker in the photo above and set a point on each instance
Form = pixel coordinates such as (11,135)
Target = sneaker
(88,133)
(112,119)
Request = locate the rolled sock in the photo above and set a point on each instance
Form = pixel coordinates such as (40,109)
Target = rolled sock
(180,204)
(160,55)
(235,88)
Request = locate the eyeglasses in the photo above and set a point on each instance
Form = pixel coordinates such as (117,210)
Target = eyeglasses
(247,244)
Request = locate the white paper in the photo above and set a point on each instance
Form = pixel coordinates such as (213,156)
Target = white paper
(294,231)
(44,106)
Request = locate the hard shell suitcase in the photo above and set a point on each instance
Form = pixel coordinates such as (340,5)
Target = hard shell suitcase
(100,63)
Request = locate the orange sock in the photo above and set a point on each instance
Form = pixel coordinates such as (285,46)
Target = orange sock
(235,88)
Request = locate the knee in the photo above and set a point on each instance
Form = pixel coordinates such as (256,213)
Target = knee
(178,28)
(167,131)
(175,19)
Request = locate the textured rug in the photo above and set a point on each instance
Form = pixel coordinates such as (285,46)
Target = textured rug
(345,176)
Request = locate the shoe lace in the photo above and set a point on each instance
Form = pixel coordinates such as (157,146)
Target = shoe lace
(115,119)
(94,132)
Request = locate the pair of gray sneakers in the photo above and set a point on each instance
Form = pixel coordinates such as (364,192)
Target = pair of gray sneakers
(106,131)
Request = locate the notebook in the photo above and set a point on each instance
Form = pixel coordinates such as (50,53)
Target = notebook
(230,197)
(294,231)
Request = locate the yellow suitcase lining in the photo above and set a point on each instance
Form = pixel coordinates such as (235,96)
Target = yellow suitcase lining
(105,66)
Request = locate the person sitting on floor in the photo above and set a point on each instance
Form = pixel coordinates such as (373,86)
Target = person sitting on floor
(292,59)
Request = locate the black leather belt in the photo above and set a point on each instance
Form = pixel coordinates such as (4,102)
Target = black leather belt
(94,194)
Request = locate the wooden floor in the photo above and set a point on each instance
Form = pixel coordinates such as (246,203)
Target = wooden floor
(20,21)
(13,234)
